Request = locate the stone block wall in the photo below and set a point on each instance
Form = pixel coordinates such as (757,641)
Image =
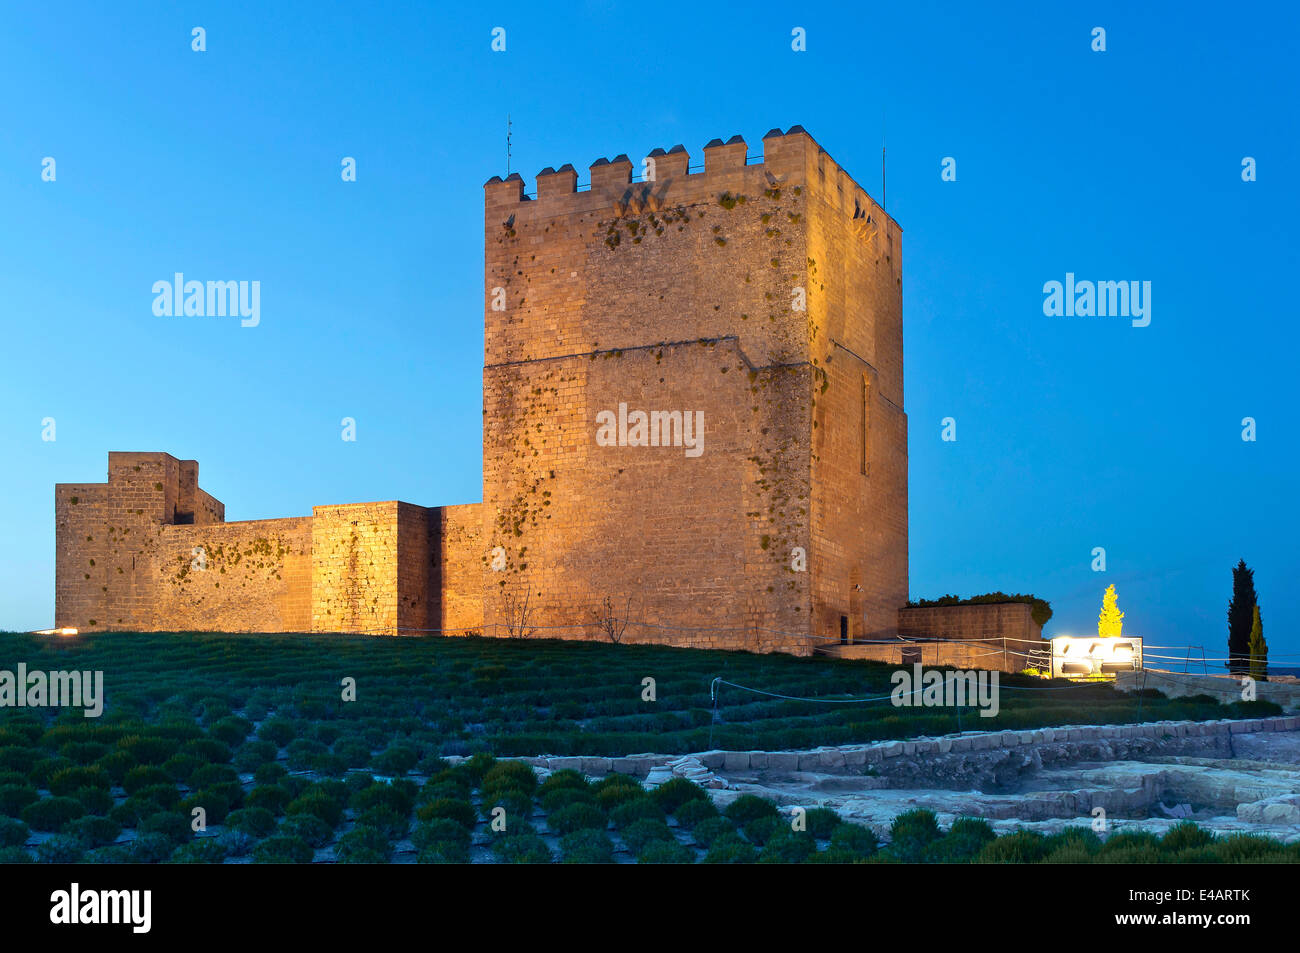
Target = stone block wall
(250,576)
(1004,655)
(1004,620)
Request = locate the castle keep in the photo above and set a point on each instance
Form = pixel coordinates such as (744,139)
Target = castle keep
(693,433)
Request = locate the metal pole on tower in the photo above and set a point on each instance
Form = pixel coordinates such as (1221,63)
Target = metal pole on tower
(508,144)
(883,191)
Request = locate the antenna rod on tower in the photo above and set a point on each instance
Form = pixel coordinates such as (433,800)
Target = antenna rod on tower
(883,192)
(507,144)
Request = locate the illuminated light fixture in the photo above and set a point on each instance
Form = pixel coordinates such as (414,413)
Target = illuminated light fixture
(63,631)
(1075,656)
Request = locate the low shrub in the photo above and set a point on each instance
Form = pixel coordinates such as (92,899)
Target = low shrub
(1129,840)
(516,804)
(83,752)
(308,828)
(396,759)
(174,826)
(731,850)
(749,807)
(443,852)
(214,804)
(353,752)
(911,833)
(438,831)
(254,821)
(856,839)
(143,776)
(148,749)
(278,731)
(821,822)
(206,850)
(15,855)
(231,730)
(255,754)
(644,830)
(13,833)
(270,773)
(397,797)
(316,803)
(693,812)
(274,797)
(709,830)
(1021,847)
(462,812)
(1074,853)
(93,831)
(1185,835)
(577,817)
(612,795)
(510,774)
(52,813)
(640,808)
(362,845)
(15,797)
(151,848)
(60,849)
(476,767)
(393,825)
(964,842)
(116,764)
(1241,849)
(301,752)
(522,849)
(665,852)
(213,774)
(69,780)
(676,792)
(788,847)
(19,758)
(179,767)
(163,795)
(564,779)
(208,750)
(283,849)
(557,798)
(586,846)
(94,800)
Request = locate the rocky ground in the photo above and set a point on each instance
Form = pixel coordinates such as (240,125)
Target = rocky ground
(1226,781)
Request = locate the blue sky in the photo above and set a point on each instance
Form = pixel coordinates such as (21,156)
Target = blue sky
(1072,433)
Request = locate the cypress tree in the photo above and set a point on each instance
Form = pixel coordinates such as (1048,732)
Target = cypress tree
(1258,649)
(1241,614)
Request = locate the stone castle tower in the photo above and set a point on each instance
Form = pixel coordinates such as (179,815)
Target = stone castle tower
(693,433)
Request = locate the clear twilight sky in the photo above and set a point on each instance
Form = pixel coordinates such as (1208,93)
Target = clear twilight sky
(1072,432)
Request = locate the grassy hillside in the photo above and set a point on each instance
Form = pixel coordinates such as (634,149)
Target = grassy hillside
(251,733)
(453,696)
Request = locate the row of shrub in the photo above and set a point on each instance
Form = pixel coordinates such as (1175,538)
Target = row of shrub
(176,698)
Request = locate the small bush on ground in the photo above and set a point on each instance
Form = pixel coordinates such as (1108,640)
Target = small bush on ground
(522,849)
(586,846)
(676,792)
(665,852)
(748,807)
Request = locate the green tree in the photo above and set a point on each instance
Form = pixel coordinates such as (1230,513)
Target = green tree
(1258,649)
(1241,615)
(1111,620)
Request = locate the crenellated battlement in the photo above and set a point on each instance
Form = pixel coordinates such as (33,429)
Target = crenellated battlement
(666,177)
